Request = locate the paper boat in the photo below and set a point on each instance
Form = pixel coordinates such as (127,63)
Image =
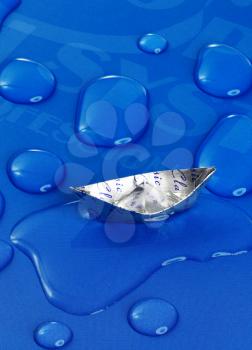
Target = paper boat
(148,197)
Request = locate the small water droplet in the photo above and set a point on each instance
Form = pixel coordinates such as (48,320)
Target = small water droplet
(229,147)
(53,335)
(112,111)
(36,171)
(26,81)
(153,43)
(6,254)
(223,71)
(153,317)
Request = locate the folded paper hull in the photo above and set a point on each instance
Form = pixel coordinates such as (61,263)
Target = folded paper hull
(145,197)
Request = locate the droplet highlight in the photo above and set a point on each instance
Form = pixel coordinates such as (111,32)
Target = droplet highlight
(153,43)
(153,317)
(6,254)
(53,335)
(112,111)
(36,171)
(223,71)
(25,81)
(229,148)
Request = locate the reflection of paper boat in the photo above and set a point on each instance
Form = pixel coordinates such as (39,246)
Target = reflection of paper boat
(149,197)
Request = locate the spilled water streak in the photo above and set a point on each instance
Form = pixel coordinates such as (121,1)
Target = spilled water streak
(86,273)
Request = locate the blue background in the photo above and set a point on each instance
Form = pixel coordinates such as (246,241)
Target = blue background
(83,40)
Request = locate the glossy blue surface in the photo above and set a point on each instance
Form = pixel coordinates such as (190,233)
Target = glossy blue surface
(53,335)
(36,171)
(112,111)
(2,204)
(25,81)
(6,7)
(223,71)
(153,317)
(78,246)
(229,148)
(153,43)
(6,254)
(202,265)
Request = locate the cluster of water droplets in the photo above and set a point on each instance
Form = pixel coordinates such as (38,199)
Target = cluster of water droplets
(114,111)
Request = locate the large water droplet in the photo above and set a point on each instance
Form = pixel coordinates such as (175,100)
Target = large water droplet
(26,81)
(36,171)
(6,254)
(6,7)
(2,204)
(153,43)
(153,317)
(61,239)
(223,71)
(112,111)
(229,148)
(53,335)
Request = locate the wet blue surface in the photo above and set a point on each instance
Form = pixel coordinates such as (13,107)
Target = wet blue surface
(25,81)
(2,204)
(53,335)
(153,43)
(153,317)
(223,71)
(6,7)
(112,111)
(36,171)
(80,43)
(229,148)
(78,246)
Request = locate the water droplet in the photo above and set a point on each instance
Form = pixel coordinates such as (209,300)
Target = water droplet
(153,317)
(112,111)
(6,7)
(229,148)
(26,81)
(223,71)
(2,204)
(153,43)
(6,254)
(53,335)
(36,171)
